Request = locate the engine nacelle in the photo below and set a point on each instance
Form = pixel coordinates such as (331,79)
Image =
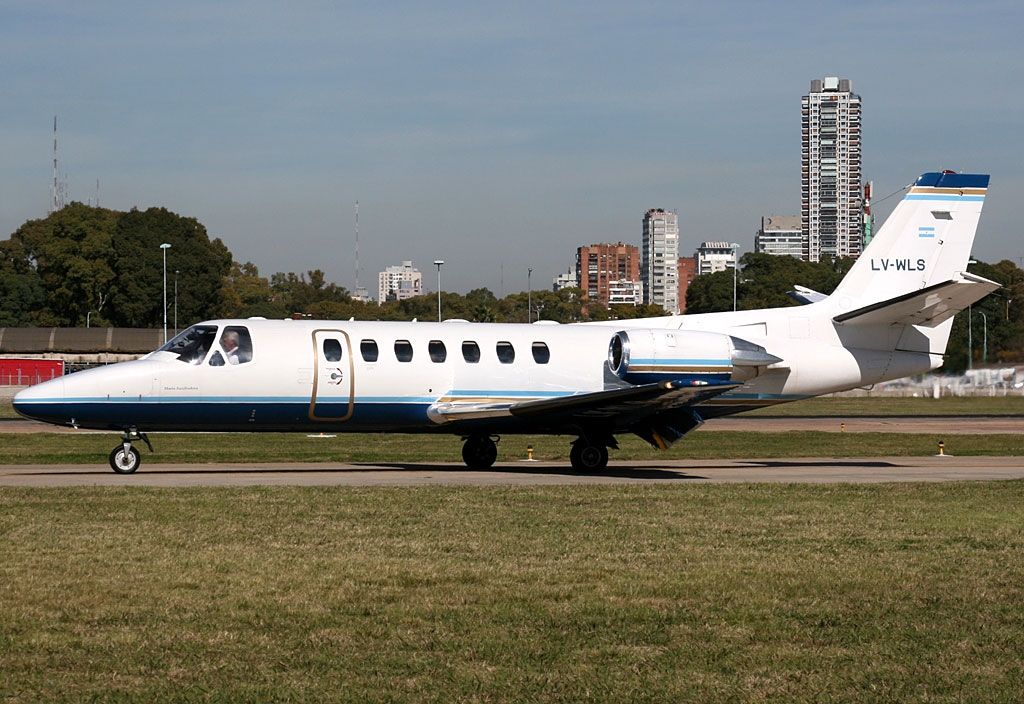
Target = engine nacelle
(646,356)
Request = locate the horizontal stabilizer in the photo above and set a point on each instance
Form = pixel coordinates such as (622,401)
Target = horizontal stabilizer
(927,307)
(804,295)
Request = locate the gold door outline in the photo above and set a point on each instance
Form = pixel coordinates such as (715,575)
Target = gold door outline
(318,365)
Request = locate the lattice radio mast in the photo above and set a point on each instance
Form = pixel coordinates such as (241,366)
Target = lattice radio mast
(55,203)
(59,190)
(357,248)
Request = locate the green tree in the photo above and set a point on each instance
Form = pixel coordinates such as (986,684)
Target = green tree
(201,263)
(763,281)
(247,294)
(22,297)
(72,252)
(108,266)
(990,331)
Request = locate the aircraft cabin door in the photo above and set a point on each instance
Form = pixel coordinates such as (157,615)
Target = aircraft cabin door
(333,379)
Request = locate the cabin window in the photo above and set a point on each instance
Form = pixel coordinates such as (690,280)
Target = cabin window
(368,348)
(235,347)
(332,350)
(471,352)
(506,352)
(403,350)
(541,353)
(437,351)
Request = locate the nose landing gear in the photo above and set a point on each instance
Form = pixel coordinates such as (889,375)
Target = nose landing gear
(125,459)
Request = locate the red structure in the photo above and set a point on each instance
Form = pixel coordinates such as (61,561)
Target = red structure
(26,372)
(602,265)
(687,273)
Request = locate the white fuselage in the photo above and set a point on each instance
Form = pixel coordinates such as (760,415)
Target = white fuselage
(377,376)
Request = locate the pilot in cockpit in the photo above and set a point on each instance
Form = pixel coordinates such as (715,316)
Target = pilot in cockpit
(229,341)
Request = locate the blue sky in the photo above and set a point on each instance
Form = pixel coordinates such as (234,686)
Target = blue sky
(496,138)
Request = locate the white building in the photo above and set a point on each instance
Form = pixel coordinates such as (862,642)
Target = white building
(569,279)
(626,292)
(781,235)
(714,256)
(830,170)
(397,283)
(659,259)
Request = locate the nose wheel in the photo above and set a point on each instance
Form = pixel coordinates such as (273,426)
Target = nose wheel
(125,459)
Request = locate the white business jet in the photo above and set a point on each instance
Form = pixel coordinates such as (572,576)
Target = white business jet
(658,378)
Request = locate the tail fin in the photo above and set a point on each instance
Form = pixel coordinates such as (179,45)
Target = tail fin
(926,241)
(907,285)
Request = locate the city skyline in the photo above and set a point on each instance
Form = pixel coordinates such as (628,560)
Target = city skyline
(496,141)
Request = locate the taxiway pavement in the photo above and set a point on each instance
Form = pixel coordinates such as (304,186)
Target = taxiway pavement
(804,470)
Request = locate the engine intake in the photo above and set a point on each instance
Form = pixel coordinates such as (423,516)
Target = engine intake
(646,356)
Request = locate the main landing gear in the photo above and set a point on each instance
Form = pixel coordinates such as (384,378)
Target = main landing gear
(588,458)
(479,451)
(589,455)
(125,459)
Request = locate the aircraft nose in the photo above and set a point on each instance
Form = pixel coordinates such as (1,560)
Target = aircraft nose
(42,402)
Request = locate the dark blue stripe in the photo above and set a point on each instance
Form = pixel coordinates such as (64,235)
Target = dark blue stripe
(942,180)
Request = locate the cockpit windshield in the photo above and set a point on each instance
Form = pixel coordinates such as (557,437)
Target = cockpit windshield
(192,345)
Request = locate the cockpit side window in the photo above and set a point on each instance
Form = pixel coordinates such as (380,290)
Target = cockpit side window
(236,346)
(193,344)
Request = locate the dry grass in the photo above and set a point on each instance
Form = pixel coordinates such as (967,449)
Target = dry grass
(625,593)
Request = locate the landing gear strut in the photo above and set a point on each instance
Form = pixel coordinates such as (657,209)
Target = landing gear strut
(587,456)
(479,451)
(125,459)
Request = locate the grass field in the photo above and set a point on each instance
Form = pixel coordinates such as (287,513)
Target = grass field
(627,593)
(710,593)
(93,448)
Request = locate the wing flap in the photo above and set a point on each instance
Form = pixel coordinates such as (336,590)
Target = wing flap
(643,399)
(629,402)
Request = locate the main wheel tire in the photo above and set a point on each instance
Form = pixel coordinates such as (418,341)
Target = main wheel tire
(585,457)
(125,462)
(479,452)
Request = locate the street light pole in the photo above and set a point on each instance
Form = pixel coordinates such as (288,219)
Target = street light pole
(438,263)
(984,338)
(176,272)
(735,265)
(165,246)
(529,295)
(970,338)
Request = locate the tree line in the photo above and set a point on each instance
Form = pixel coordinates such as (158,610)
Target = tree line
(87,265)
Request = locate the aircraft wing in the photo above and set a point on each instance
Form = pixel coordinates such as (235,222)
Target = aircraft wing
(628,403)
(928,307)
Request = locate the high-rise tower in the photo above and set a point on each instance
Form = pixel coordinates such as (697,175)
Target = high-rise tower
(659,259)
(830,178)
